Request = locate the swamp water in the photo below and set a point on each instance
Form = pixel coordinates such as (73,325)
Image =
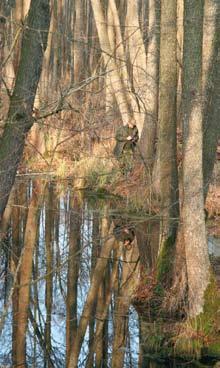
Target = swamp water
(53,270)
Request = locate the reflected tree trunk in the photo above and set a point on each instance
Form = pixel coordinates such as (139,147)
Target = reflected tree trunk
(49,223)
(86,316)
(129,280)
(25,273)
(100,345)
(73,274)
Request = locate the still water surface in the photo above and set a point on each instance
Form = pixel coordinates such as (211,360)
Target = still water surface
(71,230)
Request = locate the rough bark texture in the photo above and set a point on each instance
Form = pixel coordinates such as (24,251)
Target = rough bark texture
(19,119)
(197,262)
(167,118)
(211,126)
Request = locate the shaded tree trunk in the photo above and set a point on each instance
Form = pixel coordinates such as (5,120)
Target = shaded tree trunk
(19,119)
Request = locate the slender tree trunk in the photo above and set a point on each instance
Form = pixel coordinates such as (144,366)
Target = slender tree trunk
(73,274)
(116,84)
(138,62)
(211,126)
(167,120)
(49,223)
(101,302)
(147,141)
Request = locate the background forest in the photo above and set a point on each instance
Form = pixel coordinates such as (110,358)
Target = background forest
(71,73)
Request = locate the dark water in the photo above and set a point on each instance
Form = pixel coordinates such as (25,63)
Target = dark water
(71,231)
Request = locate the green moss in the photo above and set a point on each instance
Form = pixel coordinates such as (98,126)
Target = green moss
(200,336)
(165,260)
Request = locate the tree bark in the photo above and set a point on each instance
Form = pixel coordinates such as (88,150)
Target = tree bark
(167,120)
(211,126)
(197,261)
(19,119)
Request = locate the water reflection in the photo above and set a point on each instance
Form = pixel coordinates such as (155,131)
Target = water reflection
(66,282)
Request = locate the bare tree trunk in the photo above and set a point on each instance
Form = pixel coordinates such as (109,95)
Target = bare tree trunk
(211,126)
(116,84)
(197,261)
(167,120)
(19,119)
(138,62)
(147,141)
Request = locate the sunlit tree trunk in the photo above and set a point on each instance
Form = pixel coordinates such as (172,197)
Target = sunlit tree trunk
(25,274)
(79,43)
(138,62)
(147,142)
(197,261)
(108,56)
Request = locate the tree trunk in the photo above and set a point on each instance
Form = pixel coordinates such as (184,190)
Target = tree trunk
(211,126)
(116,84)
(197,261)
(167,121)
(19,119)
(147,141)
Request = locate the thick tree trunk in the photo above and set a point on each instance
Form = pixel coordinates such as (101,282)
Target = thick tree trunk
(197,261)
(19,119)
